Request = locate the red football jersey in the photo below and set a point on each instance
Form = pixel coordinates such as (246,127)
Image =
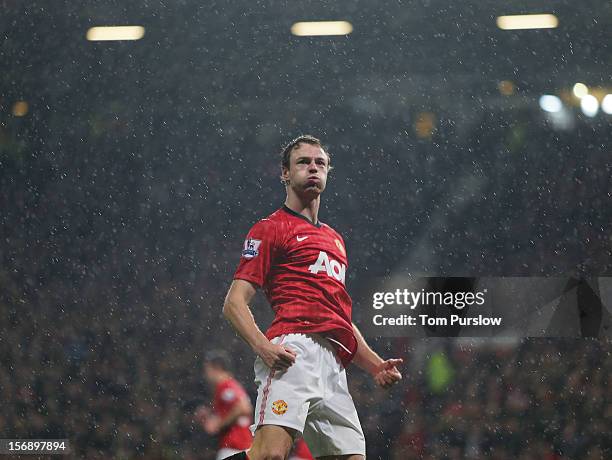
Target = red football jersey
(236,436)
(302,269)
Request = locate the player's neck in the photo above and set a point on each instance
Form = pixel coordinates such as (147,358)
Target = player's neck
(307,208)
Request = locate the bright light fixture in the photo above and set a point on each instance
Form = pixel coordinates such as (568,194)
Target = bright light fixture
(318,28)
(580,90)
(528,21)
(550,103)
(606,104)
(589,105)
(115,33)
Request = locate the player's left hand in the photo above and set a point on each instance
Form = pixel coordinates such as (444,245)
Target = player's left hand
(387,373)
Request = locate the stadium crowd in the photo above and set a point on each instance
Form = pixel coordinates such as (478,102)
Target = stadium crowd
(123,381)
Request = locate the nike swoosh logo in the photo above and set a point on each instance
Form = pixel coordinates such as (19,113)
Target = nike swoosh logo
(302,238)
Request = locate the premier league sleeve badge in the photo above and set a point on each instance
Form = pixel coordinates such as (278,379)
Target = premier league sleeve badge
(251,248)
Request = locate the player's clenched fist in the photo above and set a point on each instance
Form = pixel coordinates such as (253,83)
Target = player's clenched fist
(387,373)
(276,357)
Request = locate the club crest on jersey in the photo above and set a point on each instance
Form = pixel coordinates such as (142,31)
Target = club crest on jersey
(333,268)
(251,248)
(279,407)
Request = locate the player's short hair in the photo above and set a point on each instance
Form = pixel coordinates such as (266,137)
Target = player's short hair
(218,358)
(306,139)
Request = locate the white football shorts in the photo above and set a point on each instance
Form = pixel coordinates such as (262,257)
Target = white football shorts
(225,452)
(311,397)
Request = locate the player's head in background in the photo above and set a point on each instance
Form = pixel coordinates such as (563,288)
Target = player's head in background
(305,165)
(216,366)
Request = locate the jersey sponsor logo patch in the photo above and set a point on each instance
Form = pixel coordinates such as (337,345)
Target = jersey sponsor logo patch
(333,268)
(301,238)
(251,248)
(279,407)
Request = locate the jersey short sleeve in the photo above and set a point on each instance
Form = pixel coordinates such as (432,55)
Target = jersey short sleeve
(228,393)
(258,252)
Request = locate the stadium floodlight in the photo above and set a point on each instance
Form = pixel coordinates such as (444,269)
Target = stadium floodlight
(319,28)
(527,21)
(606,104)
(580,90)
(115,33)
(550,103)
(589,105)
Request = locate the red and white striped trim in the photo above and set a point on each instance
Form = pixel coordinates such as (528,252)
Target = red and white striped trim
(266,391)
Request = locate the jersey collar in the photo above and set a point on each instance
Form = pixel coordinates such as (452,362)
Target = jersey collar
(297,214)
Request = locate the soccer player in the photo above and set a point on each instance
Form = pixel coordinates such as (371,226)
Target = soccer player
(232,408)
(300,263)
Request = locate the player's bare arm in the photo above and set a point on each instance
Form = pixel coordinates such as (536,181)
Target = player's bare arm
(236,310)
(384,372)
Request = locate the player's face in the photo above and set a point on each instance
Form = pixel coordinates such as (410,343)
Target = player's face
(308,168)
(209,373)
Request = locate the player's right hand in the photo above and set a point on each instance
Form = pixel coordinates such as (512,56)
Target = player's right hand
(277,357)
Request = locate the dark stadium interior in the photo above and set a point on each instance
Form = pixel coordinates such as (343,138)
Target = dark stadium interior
(129,184)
